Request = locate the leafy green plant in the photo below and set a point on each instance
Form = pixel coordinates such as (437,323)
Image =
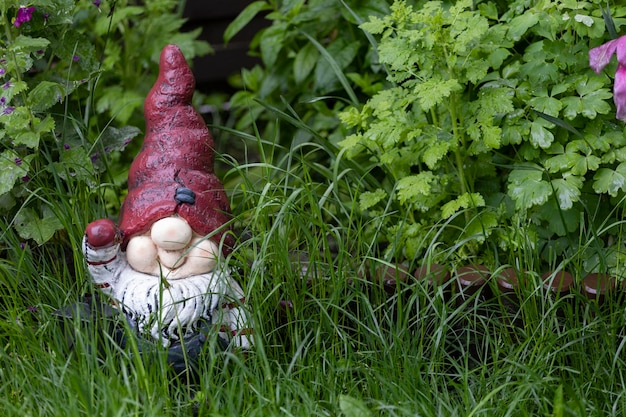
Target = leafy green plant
(74,75)
(128,61)
(492,117)
(314,61)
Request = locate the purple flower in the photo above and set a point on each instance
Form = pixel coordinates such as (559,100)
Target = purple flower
(18,161)
(8,110)
(75,58)
(7,85)
(66,146)
(97,3)
(2,71)
(600,57)
(24,14)
(25,178)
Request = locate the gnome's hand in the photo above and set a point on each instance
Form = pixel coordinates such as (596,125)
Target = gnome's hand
(102,233)
(101,245)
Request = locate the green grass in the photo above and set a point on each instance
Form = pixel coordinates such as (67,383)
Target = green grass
(347,347)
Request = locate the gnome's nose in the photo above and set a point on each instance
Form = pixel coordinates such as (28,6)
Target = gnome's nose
(171,233)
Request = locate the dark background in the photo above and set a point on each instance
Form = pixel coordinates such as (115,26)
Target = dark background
(213,16)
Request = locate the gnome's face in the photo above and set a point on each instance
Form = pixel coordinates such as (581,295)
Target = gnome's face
(172,250)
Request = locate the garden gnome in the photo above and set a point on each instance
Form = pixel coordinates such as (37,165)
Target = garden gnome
(161,267)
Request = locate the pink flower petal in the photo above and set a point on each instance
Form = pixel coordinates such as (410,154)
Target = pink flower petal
(620,50)
(619,92)
(600,56)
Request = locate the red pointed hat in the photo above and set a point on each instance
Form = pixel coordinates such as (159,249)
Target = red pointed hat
(173,172)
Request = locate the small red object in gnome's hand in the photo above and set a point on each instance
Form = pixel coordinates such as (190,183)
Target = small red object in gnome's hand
(101,233)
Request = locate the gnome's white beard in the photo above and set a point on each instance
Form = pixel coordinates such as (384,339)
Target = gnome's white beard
(168,310)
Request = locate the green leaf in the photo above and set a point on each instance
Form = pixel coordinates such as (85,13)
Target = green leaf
(520,24)
(540,137)
(476,70)
(369,199)
(305,61)
(74,163)
(114,139)
(610,181)
(527,187)
(434,91)
(497,57)
(558,221)
(272,42)
(24,128)
(567,190)
(353,407)
(30,226)
(12,168)
(399,58)
(244,18)
(351,142)
(585,85)
(27,138)
(375,25)
(116,19)
(583,163)
(562,162)
(491,137)
(413,188)
(595,103)
(435,153)
(573,107)
(78,50)
(26,44)
(351,117)
(480,226)
(548,105)
(17,121)
(466,200)
(559,404)
(119,102)
(540,72)
(45,95)
(15,88)
(489,10)
(45,125)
